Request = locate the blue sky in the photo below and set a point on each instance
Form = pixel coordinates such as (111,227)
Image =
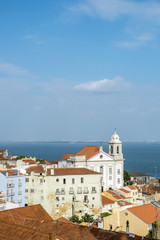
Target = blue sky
(75,70)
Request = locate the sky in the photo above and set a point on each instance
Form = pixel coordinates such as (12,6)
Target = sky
(78,69)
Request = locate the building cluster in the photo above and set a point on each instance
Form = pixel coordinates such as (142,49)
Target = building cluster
(87,182)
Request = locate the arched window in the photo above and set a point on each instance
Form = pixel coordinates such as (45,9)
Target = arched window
(111,149)
(101,169)
(117,149)
(127,226)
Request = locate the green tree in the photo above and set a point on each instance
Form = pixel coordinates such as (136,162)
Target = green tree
(105,214)
(127,179)
(75,219)
(87,218)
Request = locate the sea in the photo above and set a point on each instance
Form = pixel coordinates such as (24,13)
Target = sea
(139,156)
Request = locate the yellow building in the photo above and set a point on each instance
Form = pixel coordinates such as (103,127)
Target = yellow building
(136,220)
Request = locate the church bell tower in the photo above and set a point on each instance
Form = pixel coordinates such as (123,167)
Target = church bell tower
(115,147)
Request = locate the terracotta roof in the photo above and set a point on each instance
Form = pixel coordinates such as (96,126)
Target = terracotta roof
(147,213)
(62,219)
(10,172)
(10,166)
(106,201)
(35,223)
(115,195)
(2,158)
(123,190)
(3,150)
(29,161)
(48,162)
(131,187)
(31,216)
(67,156)
(1,202)
(88,151)
(71,171)
(36,169)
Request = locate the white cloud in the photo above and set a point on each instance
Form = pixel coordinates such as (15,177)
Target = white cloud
(111,10)
(115,85)
(137,41)
(11,69)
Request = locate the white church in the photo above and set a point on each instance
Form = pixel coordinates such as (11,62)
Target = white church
(93,157)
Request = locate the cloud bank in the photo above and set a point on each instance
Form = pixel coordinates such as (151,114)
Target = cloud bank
(106,85)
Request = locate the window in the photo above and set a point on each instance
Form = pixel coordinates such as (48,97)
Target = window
(26,190)
(42,198)
(110,227)
(93,189)
(41,190)
(118,180)
(110,171)
(71,190)
(64,181)
(73,180)
(40,173)
(110,206)
(57,205)
(101,169)
(86,190)
(79,190)
(57,198)
(32,190)
(57,179)
(110,177)
(126,214)
(41,181)
(117,149)
(82,180)
(62,198)
(111,149)
(27,179)
(118,171)
(32,180)
(86,199)
(62,191)
(92,205)
(93,198)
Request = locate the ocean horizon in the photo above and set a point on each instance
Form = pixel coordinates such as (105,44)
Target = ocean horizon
(139,156)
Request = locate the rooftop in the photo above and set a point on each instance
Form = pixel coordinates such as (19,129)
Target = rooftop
(71,171)
(147,213)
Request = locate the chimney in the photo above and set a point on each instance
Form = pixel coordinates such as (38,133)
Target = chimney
(52,171)
(100,148)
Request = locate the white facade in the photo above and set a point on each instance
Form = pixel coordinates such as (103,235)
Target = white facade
(111,165)
(65,194)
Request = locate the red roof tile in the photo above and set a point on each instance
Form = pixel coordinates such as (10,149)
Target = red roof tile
(106,201)
(71,171)
(36,169)
(147,213)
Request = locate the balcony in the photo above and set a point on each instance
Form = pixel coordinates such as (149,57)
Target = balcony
(93,191)
(10,194)
(19,184)
(20,193)
(71,192)
(57,192)
(10,185)
(86,201)
(85,191)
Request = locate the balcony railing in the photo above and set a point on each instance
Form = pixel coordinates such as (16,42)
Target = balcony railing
(85,191)
(93,191)
(57,192)
(10,185)
(71,192)
(86,201)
